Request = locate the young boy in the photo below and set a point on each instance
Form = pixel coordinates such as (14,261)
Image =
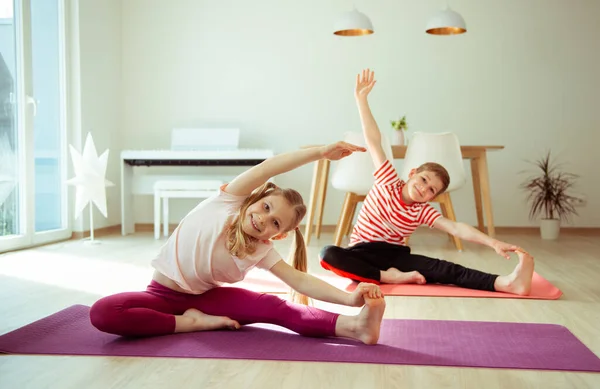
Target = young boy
(393,209)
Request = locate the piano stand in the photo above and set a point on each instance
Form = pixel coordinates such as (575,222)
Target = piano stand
(193,162)
(184,158)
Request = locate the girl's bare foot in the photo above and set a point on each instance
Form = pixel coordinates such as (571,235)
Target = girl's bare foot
(194,320)
(366,325)
(369,320)
(395,276)
(519,281)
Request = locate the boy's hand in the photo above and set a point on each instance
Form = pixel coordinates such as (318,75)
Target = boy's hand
(364,84)
(503,248)
(357,299)
(340,150)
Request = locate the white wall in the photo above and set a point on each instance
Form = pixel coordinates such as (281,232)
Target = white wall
(524,76)
(101,95)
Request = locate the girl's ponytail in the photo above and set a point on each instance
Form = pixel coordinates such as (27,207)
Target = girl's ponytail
(299,261)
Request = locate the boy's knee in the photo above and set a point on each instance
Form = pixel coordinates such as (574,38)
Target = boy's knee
(330,254)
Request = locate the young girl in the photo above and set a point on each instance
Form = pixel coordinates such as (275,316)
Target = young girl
(218,242)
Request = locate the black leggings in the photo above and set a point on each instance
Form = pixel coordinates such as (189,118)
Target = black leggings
(364,261)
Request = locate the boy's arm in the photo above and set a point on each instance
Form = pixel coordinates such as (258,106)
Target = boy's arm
(256,176)
(364,84)
(466,232)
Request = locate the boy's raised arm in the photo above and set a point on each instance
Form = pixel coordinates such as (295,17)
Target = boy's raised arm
(364,84)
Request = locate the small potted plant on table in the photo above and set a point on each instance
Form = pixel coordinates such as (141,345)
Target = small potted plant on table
(399,127)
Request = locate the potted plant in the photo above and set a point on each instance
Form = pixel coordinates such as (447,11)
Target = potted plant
(399,126)
(547,193)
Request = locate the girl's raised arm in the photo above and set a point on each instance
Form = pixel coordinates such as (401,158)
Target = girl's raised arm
(256,176)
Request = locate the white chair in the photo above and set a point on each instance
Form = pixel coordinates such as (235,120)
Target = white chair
(442,148)
(166,189)
(354,175)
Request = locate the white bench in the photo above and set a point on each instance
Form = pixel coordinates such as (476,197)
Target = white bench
(166,189)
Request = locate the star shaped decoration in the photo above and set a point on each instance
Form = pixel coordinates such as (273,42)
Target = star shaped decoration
(89,180)
(7,169)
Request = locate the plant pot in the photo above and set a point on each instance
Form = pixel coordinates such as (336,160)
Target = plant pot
(398,138)
(550,229)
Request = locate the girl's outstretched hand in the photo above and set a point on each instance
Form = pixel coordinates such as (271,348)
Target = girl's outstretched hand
(340,150)
(357,298)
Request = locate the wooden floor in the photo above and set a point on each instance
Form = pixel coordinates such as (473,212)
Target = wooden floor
(38,282)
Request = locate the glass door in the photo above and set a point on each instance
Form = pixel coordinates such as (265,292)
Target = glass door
(33,136)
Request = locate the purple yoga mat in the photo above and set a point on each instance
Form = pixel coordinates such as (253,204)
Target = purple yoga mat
(408,342)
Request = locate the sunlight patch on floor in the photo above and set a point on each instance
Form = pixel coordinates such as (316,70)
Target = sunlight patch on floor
(76,272)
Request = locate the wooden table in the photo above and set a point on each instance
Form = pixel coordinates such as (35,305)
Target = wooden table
(481,188)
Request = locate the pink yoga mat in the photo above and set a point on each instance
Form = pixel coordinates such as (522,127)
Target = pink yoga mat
(262,281)
(402,342)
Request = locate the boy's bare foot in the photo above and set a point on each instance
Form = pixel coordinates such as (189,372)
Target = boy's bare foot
(519,281)
(395,276)
(194,320)
(366,325)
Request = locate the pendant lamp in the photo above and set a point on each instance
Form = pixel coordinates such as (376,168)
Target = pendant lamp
(446,22)
(353,23)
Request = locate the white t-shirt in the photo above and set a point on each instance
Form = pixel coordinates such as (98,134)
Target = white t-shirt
(196,257)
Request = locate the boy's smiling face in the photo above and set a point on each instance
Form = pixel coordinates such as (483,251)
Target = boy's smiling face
(422,187)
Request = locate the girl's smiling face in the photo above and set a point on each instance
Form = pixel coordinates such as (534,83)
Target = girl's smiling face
(268,217)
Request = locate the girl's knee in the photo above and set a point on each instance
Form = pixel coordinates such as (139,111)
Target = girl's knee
(104,315)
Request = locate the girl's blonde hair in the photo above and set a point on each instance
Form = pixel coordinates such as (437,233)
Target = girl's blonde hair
(240,244)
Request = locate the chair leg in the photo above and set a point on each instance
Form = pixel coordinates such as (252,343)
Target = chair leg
(447,204)
(314,195)
(442,201)
(166,216)
(357,199)
(321,203)
(342,223)
(349,229)
(156,215)
(349,212)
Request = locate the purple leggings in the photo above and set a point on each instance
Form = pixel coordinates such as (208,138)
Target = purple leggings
(151,313)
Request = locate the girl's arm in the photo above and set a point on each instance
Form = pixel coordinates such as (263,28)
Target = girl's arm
(256,176)
(318,289)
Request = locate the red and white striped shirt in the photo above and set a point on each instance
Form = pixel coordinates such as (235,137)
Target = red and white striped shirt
(384,217)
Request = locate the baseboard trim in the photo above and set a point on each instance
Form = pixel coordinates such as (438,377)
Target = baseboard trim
(329,228)
(104,231)
(536,230)
(116,230)
(505,230)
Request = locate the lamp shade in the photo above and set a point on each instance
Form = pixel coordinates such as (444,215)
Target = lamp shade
(446,22)
(353,23)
